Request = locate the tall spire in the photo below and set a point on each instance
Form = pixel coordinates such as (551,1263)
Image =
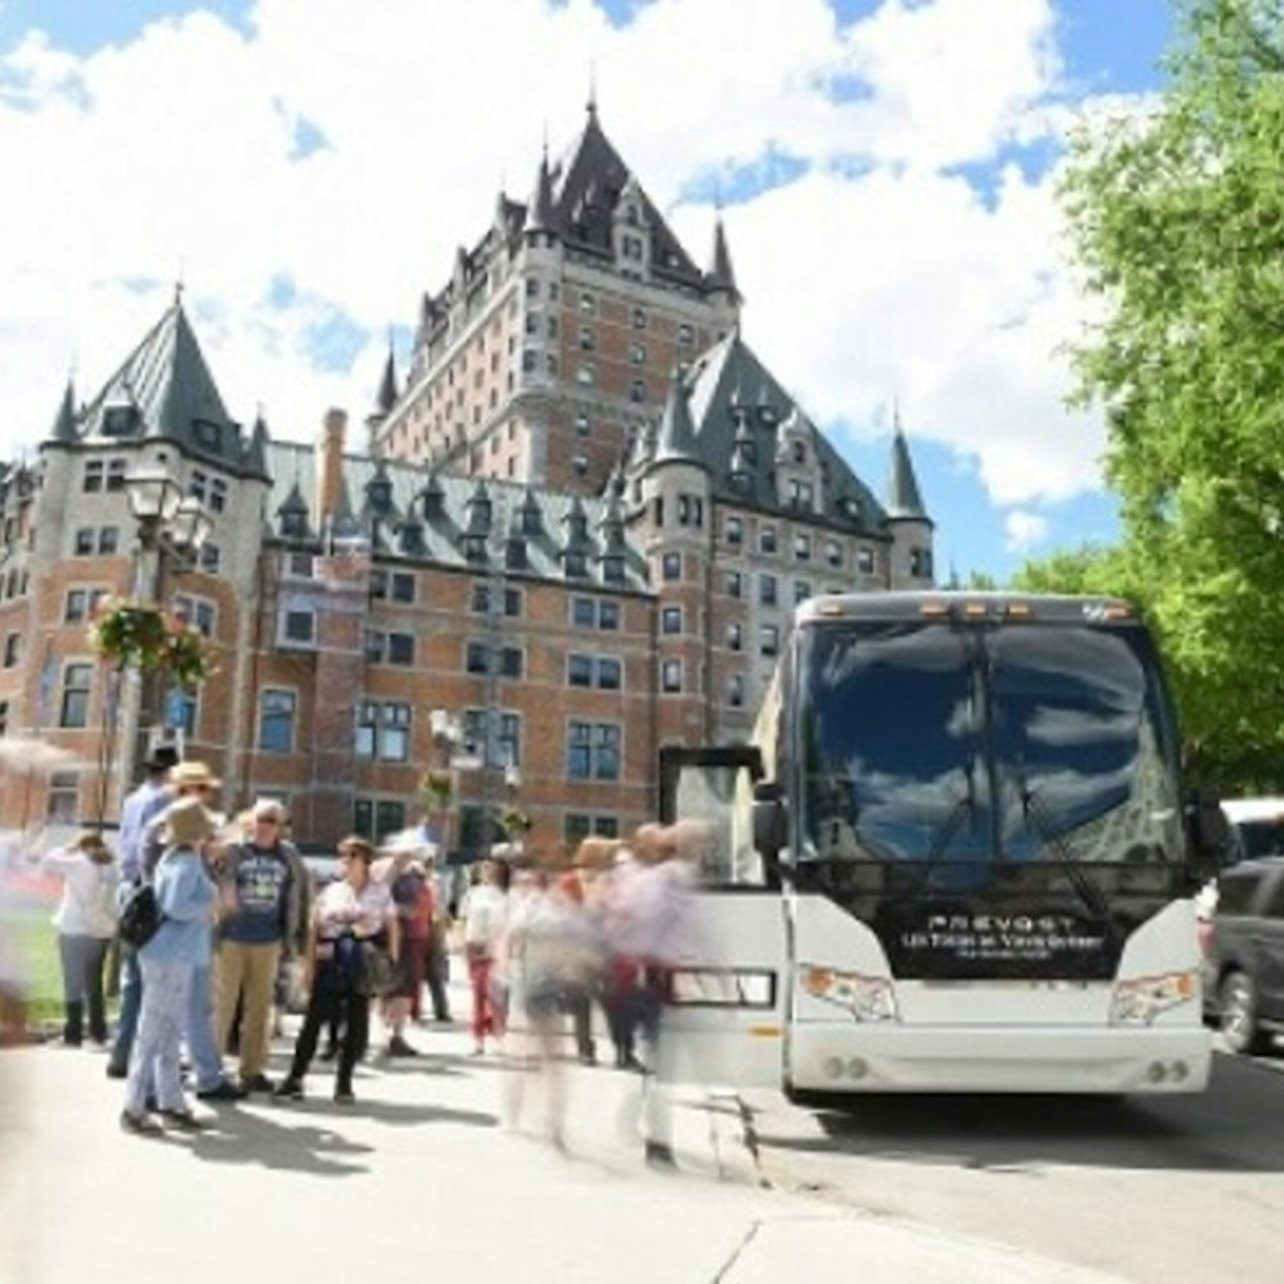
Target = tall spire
(388,385)
(64,428)
(721,274)
(539,216)
(903,498)
(591,105)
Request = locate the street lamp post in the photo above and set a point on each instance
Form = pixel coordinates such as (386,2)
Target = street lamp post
(171,529)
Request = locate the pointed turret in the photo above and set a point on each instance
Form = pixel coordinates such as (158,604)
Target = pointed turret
(64,428)
(388,384)
(721,275)
(539,216)
(255,459)
(677,438)
(293,514)
(903,498)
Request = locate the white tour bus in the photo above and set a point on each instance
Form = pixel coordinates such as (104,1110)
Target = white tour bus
(956,857)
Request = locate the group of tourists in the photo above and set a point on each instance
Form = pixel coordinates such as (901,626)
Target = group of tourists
(238,925)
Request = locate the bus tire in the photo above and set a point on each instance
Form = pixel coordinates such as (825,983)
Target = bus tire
(1237,1013)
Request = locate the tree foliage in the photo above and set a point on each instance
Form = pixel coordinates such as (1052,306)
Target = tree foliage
(1177,222)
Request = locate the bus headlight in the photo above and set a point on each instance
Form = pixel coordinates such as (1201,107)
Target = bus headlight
(868,998)
(1139,1002)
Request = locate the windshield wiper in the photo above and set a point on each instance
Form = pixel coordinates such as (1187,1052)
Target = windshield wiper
(1036,818)
(963,808)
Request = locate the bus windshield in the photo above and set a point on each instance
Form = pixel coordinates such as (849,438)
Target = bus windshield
(1009,767)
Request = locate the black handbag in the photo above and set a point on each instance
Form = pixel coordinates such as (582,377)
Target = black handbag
(140,916)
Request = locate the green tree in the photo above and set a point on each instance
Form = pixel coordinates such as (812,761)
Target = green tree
(1177,221)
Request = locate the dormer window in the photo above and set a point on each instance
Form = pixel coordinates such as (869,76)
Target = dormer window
(209,436)
(576,565)
(515,554)
(379,492)
(532,523)
(474,547)
(120,421)
(613,568)
(767,414)
(799,452)
(294,524)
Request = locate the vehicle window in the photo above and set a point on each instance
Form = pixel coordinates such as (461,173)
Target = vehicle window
(1261,837)
(1236,892)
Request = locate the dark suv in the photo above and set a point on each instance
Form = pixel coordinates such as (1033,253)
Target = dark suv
(1247,953)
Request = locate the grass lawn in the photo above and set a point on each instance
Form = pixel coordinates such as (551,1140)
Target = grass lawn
(38,941)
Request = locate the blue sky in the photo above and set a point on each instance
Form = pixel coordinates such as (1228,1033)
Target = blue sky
(885,168)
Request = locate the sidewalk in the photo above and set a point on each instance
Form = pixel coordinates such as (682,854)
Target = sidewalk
(419,1176)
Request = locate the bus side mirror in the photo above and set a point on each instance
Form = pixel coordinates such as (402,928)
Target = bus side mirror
(770,830)
(1209,835)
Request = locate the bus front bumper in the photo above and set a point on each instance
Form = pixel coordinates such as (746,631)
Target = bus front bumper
(842,1057)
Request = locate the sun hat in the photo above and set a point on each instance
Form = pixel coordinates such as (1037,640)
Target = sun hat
(193,775)
(187,823)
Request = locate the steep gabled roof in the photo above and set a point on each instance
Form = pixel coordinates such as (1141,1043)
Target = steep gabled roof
(732,391)
(164,391)
(587,184)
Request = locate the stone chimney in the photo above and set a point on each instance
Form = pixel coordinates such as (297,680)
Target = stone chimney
(330,465)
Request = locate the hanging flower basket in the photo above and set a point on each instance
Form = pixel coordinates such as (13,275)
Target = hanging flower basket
(516,823)
(438,789)
(126,634)
(186,657)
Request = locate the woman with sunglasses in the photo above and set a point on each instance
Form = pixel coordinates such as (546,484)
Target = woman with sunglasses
(353,914)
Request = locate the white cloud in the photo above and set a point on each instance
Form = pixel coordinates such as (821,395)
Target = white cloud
(174,153)
(1023,530)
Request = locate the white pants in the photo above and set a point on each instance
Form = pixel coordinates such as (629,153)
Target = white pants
(158,1045)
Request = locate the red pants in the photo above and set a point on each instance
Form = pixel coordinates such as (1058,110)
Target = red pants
(487,1019)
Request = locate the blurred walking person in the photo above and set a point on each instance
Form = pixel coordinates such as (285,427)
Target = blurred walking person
(546,945)
(483,912)
(351,914)
(86,922)
(186,897)
(412,899)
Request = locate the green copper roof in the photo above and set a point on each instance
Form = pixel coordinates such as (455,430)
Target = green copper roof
(903,498)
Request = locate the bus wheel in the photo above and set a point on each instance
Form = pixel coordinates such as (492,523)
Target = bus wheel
(1237,1005)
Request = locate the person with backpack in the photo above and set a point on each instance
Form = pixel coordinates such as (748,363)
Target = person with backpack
(139,810)
(178,946)
(86,922)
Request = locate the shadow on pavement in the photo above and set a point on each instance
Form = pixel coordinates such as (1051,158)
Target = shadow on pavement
(242,1137)
(1236,1126)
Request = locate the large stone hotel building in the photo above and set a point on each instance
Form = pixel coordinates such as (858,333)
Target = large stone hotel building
(576,528)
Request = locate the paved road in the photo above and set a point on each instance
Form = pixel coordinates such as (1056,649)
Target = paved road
(1163,1189)
(421,1178)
